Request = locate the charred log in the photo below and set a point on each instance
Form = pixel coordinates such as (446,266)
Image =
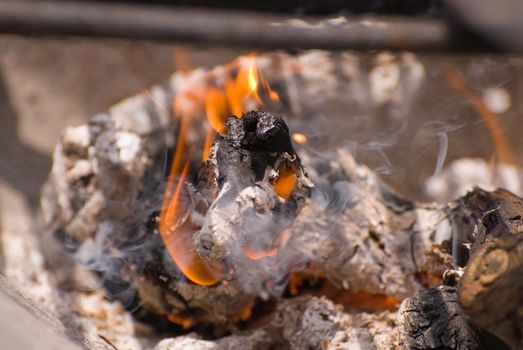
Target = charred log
(434,319)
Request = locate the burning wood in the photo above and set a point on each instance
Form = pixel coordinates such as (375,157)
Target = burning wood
(219,242)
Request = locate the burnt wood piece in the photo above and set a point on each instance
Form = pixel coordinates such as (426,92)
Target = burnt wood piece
(245,209)
(434,319)
(491,288)
(480,216)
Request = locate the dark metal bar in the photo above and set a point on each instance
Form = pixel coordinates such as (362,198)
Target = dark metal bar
(226,27)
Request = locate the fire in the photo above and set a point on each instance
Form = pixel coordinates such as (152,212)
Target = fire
(241,92)
(216,109)
(177,237)
(176,233)
(253,79)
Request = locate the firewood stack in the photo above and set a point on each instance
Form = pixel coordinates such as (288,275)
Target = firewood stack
(269,238)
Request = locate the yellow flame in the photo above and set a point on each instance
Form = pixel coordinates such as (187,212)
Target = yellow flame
(239,94)
(252,76)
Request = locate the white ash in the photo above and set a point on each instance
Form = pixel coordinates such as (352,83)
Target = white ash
(317,323)
(78,138)
(69,307)
(144,116)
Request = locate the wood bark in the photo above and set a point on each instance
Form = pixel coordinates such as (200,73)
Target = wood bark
(490,290)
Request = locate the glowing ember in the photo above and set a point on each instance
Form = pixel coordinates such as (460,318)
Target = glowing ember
(285,182)
(246,312)
(299,137)
(185,322)
(366,301)
(294,283)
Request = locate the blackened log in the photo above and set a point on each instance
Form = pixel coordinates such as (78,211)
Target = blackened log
(434,319)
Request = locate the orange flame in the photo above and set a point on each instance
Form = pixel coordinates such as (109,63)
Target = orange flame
(216,109)
(240,93)
(207,145)
(177,237)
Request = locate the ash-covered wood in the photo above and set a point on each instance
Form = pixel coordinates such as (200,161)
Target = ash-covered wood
(486,302)
(245,211)
(357,231)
